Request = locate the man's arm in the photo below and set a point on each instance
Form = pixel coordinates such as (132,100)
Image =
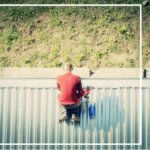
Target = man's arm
(58,86)
(81,92)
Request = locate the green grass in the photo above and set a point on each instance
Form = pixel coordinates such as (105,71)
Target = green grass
(88,37)
(71,1)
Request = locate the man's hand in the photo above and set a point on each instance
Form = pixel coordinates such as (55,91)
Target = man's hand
(86,96)
(87,91)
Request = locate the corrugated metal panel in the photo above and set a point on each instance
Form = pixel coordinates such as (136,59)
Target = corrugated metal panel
(29,114)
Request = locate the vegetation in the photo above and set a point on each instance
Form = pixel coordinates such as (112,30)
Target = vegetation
(87,36)
(71,1)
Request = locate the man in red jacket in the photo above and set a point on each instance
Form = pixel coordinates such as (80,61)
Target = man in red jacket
(71,92)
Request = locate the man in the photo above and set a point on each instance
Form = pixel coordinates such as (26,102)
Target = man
(71,92)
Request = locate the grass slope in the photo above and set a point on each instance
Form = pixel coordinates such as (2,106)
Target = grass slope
(92,37)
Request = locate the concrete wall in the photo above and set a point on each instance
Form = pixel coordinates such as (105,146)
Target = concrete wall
(148,72)
(82,72)
(39,72)
(117,73)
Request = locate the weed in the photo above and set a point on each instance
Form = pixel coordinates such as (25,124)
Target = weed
(114,48)
(56,22)
(4,62)
(131,62)
(126,31)
(11,35)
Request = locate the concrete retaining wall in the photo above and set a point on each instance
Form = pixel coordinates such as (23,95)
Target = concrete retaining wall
(39,72)
(13,72)
(117,73)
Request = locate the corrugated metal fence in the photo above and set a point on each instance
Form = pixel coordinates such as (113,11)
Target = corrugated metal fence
(29,114)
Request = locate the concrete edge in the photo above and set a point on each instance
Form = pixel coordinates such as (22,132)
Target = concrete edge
(43,73)
(147,72)
(14,72)
(117,73)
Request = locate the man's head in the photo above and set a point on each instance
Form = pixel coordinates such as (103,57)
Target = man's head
(67,67)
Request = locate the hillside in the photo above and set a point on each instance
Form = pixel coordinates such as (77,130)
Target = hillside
(88,37)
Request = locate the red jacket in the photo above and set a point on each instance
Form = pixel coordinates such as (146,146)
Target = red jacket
(70,89)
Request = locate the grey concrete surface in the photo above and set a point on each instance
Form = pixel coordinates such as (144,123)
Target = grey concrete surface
(148,72)
(39,72)
(14,72)
(117,73)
